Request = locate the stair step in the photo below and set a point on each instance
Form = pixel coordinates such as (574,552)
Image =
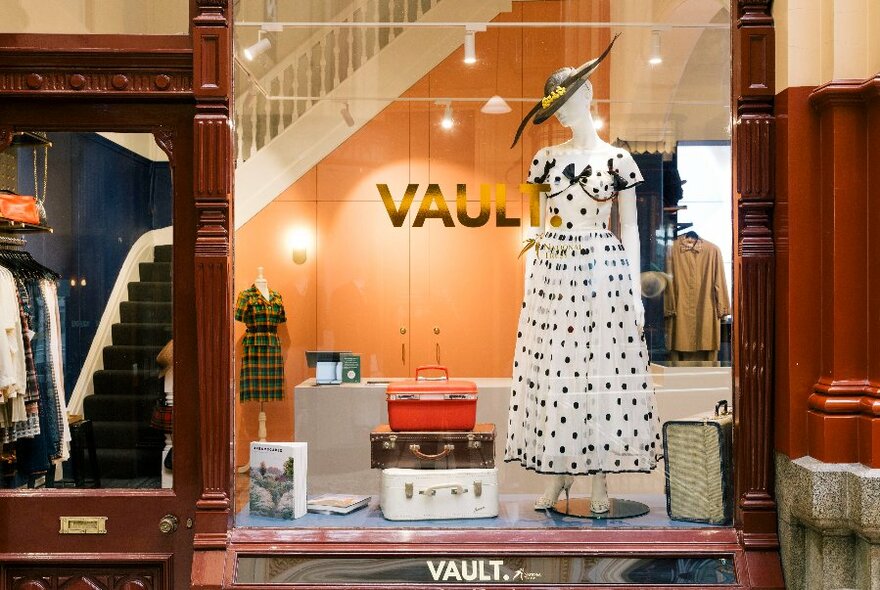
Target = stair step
(142,334)
(129,357)
(129,463)
(145,312)
(155,271)
(149,291)
(116,406)
(126,435)
(162,253)
(142,383)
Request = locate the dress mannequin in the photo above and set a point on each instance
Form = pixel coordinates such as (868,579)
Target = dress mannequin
(262,286)
(262,370)
(543,381)
(576,115)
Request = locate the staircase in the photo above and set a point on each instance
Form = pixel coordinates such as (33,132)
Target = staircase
(279,138)
(126,389)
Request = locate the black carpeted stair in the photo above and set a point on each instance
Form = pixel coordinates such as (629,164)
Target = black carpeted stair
(127,388)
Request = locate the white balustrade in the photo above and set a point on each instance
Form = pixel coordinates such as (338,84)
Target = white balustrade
(319,60)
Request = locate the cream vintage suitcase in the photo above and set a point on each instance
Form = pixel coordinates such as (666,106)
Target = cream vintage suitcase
(699,474)
(430,494)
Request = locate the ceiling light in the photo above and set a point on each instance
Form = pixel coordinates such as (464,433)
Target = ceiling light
(446,122)
(258,48)
(470,46)
(656,57)
(346,115)
(495,106)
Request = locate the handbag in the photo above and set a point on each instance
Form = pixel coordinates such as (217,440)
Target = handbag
(22,208)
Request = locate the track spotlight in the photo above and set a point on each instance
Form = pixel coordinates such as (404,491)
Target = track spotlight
(470,46)
(346,115)
(447,121)
(258,48)
(656,57)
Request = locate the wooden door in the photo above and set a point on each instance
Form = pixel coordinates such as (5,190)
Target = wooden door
(363,286)
(145,535)
(466,293)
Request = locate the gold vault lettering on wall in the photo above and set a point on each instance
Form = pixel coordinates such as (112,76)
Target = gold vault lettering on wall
(434,205)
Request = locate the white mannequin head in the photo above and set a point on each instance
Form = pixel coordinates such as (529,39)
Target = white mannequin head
(576,107)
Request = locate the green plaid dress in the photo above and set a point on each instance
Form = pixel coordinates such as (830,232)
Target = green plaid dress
(262,368)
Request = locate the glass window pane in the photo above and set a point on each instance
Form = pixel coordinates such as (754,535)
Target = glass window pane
(87,297)
(380,203)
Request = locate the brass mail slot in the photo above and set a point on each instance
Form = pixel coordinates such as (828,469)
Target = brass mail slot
(83,525)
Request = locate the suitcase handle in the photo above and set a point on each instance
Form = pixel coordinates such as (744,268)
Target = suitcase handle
(433,368)
(719,405)
(457,489)
(416,450)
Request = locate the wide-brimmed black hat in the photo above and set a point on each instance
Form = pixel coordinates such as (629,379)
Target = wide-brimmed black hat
(558,88)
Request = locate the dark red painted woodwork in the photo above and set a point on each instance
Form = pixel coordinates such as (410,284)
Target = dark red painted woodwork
(798,306)
(843,417)
(212,193)
(755,289)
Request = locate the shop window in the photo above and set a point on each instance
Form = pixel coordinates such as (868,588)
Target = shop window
(382,226)
(87,398)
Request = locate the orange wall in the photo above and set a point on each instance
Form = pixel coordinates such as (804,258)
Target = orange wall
(357,262)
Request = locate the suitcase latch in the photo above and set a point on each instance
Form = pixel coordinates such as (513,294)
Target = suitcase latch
(408,490)
(472,443)
(478,488)
(390,443)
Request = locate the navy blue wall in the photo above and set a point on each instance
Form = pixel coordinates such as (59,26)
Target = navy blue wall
(101,199)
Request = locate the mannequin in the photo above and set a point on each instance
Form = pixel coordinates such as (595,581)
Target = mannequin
(581,402)
(262,370)
(262,286)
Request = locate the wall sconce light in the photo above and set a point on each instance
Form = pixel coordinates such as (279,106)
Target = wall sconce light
(656,57)
(298,243)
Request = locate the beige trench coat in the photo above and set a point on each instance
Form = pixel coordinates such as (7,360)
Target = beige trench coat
(696,299)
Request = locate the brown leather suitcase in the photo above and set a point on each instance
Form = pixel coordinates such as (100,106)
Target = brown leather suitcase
(473,449)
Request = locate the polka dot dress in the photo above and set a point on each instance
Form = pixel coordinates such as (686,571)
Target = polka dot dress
(582,399)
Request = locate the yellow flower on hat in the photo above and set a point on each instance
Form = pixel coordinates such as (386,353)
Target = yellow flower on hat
(552,97)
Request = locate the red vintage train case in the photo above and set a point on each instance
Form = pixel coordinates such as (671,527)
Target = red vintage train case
(432,403)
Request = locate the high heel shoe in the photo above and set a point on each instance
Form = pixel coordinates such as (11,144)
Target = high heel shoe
(600,507)
(561,483)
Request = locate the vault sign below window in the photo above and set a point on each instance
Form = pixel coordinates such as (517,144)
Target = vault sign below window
(434,205)
(486,571)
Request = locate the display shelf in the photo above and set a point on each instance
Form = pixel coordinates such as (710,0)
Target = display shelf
(10,226)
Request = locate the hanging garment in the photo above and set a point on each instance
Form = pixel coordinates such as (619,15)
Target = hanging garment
(582,400)
(14,423)
(696,299)
(35,455)
(262,368)
(50,293)
(31,426)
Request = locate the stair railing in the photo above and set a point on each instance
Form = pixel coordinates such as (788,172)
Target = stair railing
(318,66)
